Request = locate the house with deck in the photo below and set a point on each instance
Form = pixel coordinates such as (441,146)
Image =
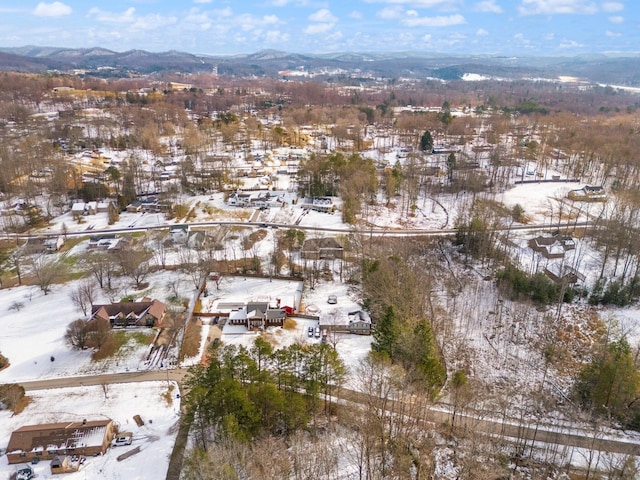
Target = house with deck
(32,443)
(322,249)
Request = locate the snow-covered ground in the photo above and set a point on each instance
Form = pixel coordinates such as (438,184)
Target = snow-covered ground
(34,324)
(495,337)
(155,402)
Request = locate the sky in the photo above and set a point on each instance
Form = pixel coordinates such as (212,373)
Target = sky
(499,27)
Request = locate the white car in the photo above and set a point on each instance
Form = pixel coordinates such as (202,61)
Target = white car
(332,299)
(122,439)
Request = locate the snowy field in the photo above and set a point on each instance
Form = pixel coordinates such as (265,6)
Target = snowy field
(494,339)
(120,403)
(40,321)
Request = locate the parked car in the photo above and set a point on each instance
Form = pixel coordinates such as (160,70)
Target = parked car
(317,332)
(122,439)
(310,332)
(332,299)
(24,473)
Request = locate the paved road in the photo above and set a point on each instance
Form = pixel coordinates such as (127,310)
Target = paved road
(479,423)
(512,429)
(373,231)
(176,375)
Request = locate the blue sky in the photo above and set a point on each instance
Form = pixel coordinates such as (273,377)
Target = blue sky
(508,27)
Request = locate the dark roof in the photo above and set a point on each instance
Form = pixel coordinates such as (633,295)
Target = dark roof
(321,243)
(276,313)
(60,435)
(154,308)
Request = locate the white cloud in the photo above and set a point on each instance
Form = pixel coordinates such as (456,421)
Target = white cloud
(609,33)
(390,13)
(323,15)
(284,3)
(489,6)
(270,19)
(481,32)
(152,21)
(201,1)
(199,19)
(426,38)
(318,28)
(611,7)
(355,14)
(416,3)
(616,19)
(441,21)
(412,13)
(570,44)
(552,7)
(129,17)
(251,23)
(275,36)
(55,9)
(225,12)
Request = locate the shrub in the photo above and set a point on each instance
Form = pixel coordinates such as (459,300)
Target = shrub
(616,294)
(4,361)
(11,395)
(537,287)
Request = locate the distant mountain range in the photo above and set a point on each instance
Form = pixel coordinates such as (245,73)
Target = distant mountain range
(614,70)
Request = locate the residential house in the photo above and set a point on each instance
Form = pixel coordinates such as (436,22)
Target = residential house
(79,209)
(149,204)
(589,193)
(44,442)
(144,313)
(179,233)
(183,235)
(109,242)
(563,274)
(359,327)
(258,316)
(43,244)
(322,248)
(359,323)
(319,204)
(135,206)
(103,206)
(554,246)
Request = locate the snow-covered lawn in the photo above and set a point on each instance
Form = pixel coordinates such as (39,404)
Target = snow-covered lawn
(33,326)
(120,403)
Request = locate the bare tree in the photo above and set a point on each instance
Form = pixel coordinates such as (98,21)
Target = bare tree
(46,270)
(83,296)
(160,248)
(135,265)
(16,263)
(103,268)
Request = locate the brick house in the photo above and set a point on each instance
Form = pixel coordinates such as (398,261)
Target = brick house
(145,313)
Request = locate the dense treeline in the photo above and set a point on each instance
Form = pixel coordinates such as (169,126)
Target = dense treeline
(244,393)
